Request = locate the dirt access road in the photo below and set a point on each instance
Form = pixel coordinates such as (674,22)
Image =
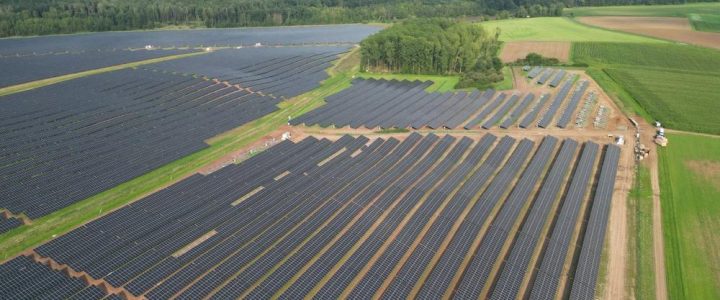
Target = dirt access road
(647,131)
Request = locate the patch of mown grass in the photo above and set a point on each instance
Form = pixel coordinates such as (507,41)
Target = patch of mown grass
(558,29)
(507,83)
(68,218)
(690,190)
(641,259)
(680,10)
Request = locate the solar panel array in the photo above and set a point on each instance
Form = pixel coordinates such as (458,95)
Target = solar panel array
(558,100)
(23,278)
(373,103)
(551,264)
(588,266)
(68,141)
(546,75)
(21,69)
(534,72)
(6,224)
(558,78)
(573,104)
(193,38)
(282,72)
(353,217)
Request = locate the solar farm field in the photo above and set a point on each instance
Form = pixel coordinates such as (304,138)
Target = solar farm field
(689,178)
(277,72)
(135,120)
(196,38)
(422,215)
(49,135)
(404,104)
(26,68)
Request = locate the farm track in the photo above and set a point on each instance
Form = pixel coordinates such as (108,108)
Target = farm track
(658,239)
(617,230)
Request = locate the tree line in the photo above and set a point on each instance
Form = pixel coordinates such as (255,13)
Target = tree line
(38,17)
(436,46)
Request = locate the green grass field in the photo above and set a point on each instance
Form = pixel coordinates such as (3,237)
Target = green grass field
(682,101)
(558,29)
(690,189)
(681,10)
(676,84)
(665,56)
(641,260)
(703,22)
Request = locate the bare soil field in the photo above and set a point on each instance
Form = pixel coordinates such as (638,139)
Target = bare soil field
(513,51)
(675,29)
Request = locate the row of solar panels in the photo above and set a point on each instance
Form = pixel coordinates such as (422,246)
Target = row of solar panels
(309,217)
(6,224)
(24,278)
(281,72)
(401,104)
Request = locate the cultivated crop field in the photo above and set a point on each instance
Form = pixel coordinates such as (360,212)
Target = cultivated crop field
(558,29)
(646,10)
(690,187)
(704,22)
(683,101)
(655,56)
(676,84)
(673,29)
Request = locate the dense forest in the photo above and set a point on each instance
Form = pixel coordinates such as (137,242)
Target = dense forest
(35,17)
(435,46)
